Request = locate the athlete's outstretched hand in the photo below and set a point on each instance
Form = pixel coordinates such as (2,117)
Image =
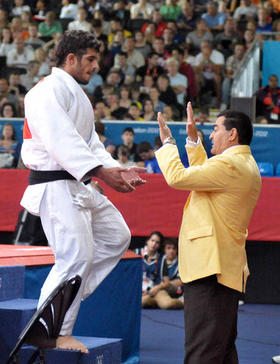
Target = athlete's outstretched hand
(164,131)
(190,126)
(132,176)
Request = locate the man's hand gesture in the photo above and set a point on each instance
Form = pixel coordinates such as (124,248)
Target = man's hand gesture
(164,131)
(190,126)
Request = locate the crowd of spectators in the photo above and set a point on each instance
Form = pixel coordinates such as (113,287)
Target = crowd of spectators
(154,55)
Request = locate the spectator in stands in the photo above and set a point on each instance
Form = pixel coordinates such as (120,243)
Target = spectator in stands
(164,291)
(5,93)
(225,41)
(154,96)
(120,11)
(152,68)
(263,23)
(108,144)
(170,11)
(208,70)
(29,79)
(26,20)
(186,70)
(97,27)
(123,157)
(113,101)
(167,95)
(157,21)
(69,9)
(115,26)
(186,20)
(249,37)
(268,101)
(15,85)
(40,55)
(9,147)
(214,20)
(245,11)
(125,97)
(158,47)
(147,154)
(229,6)
(125,70)
(134,57)
(81,23)
(232,64)
(141,44)
(19,8)
(148,83)
(135,112)
(105,59)
(142,9)
(8,110)
(40,10)
(178,82)
(3,19)
(50,26)
(128,137)
(6,44)
(196,37)
(148,110)
(20,55)
(188,57)
(16,28)
(168,38)
(33,40)
(203,115)
(101,111)
(178,38)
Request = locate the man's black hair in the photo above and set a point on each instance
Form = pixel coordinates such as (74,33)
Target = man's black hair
(129,129)
(242,123)
(77,42)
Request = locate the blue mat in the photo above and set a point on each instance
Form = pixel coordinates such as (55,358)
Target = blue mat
(162,335)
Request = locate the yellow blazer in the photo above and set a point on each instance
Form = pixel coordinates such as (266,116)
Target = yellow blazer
(225,190)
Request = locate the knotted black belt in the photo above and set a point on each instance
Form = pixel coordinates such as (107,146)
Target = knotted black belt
(36,177)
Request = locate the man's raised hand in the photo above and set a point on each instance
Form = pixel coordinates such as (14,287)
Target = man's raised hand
(190,126)
(164,131)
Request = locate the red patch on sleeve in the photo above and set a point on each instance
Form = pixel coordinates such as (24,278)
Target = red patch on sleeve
(26,131)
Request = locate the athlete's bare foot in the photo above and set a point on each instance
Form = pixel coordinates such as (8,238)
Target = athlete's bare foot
(67,342)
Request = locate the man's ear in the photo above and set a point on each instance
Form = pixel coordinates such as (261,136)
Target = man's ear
(233,135)
(71,59)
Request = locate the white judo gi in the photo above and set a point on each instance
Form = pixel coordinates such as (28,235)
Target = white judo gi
(86,232)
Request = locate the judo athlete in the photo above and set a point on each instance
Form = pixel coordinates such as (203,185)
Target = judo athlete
(86,232)
(212,257)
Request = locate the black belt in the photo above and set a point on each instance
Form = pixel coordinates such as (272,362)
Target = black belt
(36,177)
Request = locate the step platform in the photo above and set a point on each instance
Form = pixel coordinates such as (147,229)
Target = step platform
(101,351)
(14,316)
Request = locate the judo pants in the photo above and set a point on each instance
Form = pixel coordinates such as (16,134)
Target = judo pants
(88,238)
(210,322)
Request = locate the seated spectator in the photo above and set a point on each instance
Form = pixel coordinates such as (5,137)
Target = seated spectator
(159,48)
(8,110)
(125,97)
(149,112)
(225,41)
(177,36)
(5,93)
(29,79)
(123,157)
(178,82)
(142,9)
(15,85)
(168,113)
(17,29)
(134,57)
(9,147)
(141,44)
(148,83)
(263,24)
(40,55)
(166,93)
(115,26)
(170,11)
(101,111)
(120,11)
(20,55)
(113,101)
(169,41)
(249,37)
(152,67)
(97,27)
(19,8)
(261,120)
(151,260)
(158,23)
(124,69)
(147,154)
(108,144)
(50,26)
(208,70)
(232,64)
(134,112)
(214,20)
(69,9)
(6,44)
(154,96)
(203,115)
(247,10)
(26,20)
(81,23)
(186,70)
(228,6)
(186,20)
(33,40)
(197,36)
(268,101)
(40,10)
(188,57)
(128,137)
(165,291)
(106,60)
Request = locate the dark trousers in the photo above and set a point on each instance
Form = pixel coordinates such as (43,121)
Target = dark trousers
(210,322)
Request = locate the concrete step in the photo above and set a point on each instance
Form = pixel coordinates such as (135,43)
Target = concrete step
(14,316)
(11,282)
(101,351)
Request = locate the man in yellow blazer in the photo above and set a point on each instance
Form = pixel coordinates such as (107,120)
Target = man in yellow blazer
(212,258)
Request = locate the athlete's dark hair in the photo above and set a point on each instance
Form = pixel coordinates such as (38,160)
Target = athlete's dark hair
(77,42)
